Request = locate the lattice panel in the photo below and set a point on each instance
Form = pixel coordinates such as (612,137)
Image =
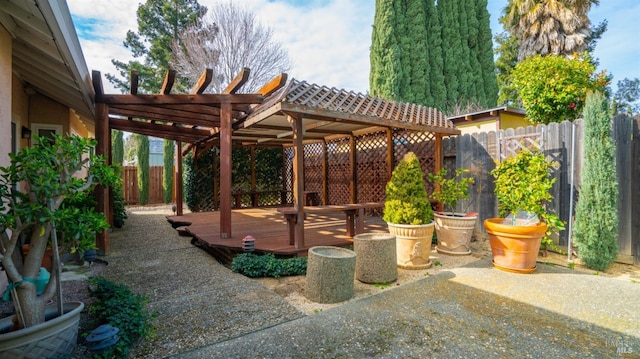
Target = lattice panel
(313,155)
(423,144)
(288,174)
(206,167)
(511,145)
(338,171)
(371,162)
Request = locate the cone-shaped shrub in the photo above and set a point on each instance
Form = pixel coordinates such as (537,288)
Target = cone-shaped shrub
(596,226)
(407,201)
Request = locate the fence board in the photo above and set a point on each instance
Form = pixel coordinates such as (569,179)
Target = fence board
(622,134)
(130,185)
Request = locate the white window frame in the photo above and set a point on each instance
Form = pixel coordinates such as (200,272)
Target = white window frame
(36,127)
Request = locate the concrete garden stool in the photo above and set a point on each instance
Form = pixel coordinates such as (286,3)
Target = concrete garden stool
(330,273)
(376,257)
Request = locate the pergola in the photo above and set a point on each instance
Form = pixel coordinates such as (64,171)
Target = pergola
(281,113)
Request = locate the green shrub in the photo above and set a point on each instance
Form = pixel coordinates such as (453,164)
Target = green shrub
(267,265)
(450,190)
(523,184)
(116,305)
(596,226)
(406,201)
(119,211)
(553,88)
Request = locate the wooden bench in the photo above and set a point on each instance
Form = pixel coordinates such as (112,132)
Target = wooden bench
(354,213)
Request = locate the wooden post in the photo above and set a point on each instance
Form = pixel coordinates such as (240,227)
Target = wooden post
(225,170)
(254,195)
(390,150)
(439,160)
(325,174)
(101,193)
(353,186)
(178,185)
(298,179)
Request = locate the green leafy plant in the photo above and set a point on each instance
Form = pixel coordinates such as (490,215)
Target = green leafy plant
(116,305)
(554,88)
(267,265)
(406,201)
(450,191)
(522,183)
(596,226)
(33,188)
(119,211)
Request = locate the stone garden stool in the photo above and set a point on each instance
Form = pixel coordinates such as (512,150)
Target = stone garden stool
(376,257)
(330,273)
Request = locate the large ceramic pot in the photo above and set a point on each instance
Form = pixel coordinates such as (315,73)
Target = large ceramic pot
(55,338)
(413,244)
(514,248)
(454,233)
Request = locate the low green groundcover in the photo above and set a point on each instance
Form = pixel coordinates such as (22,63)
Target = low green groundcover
(267,265)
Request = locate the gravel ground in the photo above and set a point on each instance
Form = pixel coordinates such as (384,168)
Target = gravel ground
(200,302)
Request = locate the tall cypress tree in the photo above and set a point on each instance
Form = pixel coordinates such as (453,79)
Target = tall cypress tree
(416,54)
(386,72)
(117,147)
(596,227)
(431,54)
(436,74)
(485,55)
(142,151)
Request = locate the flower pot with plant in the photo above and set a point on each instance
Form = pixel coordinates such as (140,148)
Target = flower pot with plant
(408,214)
(453,230)
(38,190)
(522,187)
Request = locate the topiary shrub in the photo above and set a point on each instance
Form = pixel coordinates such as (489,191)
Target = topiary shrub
(596,226)
(406,201)
(267,265)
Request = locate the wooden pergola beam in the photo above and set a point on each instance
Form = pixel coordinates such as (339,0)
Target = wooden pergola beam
(133,86)
(185,134)
(182,99)
(166,115)
(203,82)
(273,85)
(237,82)
(169,79)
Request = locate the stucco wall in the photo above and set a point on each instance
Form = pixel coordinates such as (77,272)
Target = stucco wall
(5,96)
(512,121)
(477,126)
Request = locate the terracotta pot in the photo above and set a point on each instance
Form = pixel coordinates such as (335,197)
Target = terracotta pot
(514,248)
(413,244)
(454,232)
(46,260)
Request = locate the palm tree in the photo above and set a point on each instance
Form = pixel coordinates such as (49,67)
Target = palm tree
(559,27)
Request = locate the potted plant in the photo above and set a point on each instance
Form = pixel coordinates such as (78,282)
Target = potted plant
(522,187)
(408,214)
(38,191)
(453,230)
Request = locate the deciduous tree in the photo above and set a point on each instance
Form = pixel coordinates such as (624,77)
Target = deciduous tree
(229,39)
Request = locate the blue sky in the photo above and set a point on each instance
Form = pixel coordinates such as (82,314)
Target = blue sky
(328,40)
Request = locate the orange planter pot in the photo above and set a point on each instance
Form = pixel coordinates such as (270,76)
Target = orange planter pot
(514,248)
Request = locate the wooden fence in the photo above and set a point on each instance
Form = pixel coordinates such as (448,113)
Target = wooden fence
(130,185)
(561,142)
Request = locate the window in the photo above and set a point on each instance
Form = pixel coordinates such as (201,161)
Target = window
(45,130)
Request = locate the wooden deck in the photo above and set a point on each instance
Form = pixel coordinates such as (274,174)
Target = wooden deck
(269,228)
